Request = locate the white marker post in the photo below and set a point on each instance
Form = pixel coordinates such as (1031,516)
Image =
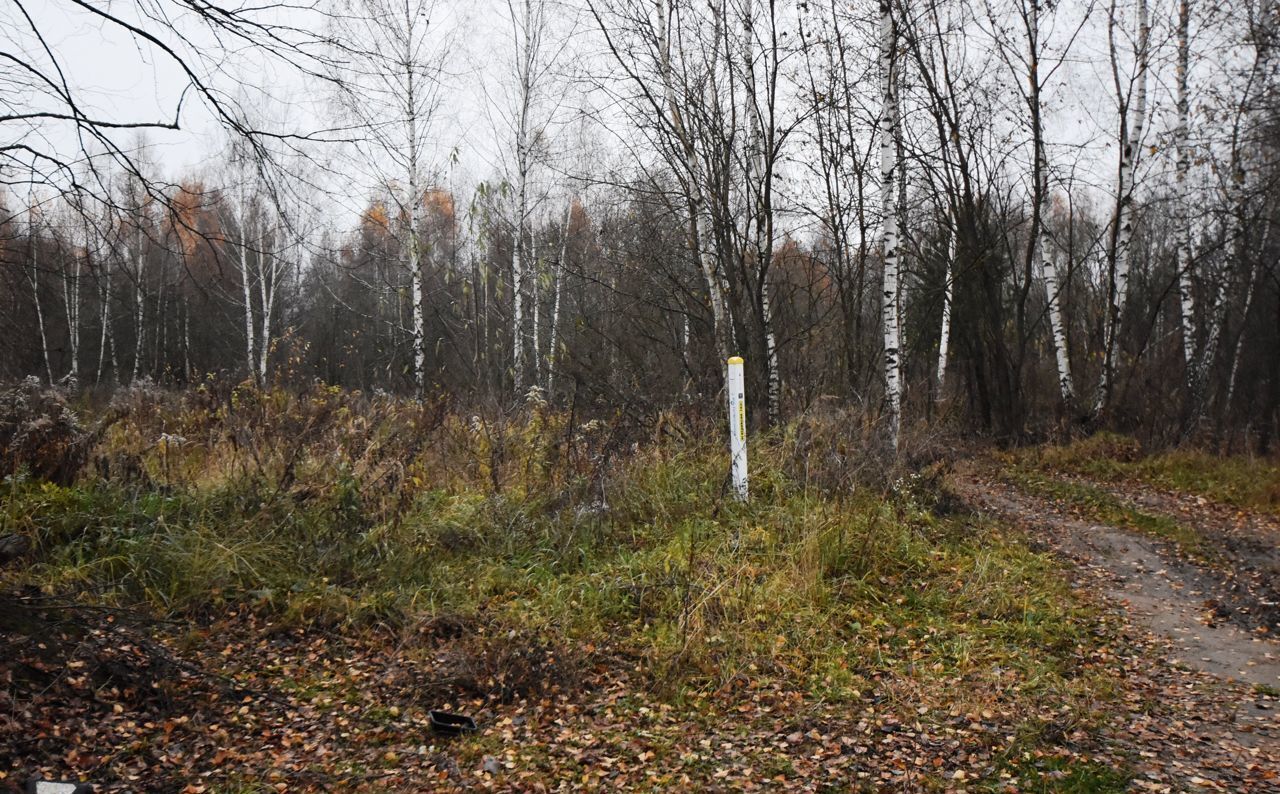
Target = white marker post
(735,384)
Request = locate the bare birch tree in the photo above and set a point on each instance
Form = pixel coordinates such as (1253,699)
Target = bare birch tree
(524,121)
(1182,146)
(844,168)
(139,228)
(72,279)
(1039,257)
(889,221)
(948,290)
(1133,112)
(392,62)
(33,276)
(674,97)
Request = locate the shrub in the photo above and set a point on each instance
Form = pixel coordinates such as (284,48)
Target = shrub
(40,434)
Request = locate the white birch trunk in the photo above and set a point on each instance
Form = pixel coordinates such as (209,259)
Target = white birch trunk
(104,300)
(1124,207)
(418,340)
(1216,317)
(517,295)
(1043,258)
(139,300)
(700,240)
(535,299)
(113,348)
(418,319)
(186,339)
(1053,291)
(267,275)
(71,302)
(520,266)
(106,342)
(774,373)
(722,326)
(1244,319)
(757,183)
(948,288)
(1239,186)
(889,234)
(1182,131)
(246,295)
(684,338)
(33,233)
(553,345)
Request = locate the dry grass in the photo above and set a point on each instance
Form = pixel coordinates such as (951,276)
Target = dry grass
(551,540)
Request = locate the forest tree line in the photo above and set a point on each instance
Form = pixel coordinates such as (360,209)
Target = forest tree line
(883,206)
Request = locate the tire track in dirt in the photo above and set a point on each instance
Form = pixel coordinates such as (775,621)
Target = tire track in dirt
(1197,709)
(1172,597)
(1244,546)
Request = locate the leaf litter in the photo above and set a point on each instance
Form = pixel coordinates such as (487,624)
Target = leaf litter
(241,703)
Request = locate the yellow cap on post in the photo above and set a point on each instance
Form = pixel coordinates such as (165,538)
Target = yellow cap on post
(735,359)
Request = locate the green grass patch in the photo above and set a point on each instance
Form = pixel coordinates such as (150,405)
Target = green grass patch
(539,561)
(1103,507)
(1056,774)
(1245,482)
(821,589)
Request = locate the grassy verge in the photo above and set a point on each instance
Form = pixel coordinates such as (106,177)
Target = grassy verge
(800,584)
(1238,481)
(1098,505)
(545,564)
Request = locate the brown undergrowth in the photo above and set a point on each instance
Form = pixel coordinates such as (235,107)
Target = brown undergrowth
(531,562)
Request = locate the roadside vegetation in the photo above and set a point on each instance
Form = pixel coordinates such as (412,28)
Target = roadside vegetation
(1239,481)
(1218,513)
(537,552)
(340,510)
(1097,504)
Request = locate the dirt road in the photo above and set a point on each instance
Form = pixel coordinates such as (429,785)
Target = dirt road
(1201,694)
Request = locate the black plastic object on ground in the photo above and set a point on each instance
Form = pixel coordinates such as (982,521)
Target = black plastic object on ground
(451,724)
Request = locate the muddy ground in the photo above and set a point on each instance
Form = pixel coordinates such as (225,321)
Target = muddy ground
(1209,624)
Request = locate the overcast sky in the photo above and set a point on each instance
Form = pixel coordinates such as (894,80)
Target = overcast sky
(127,80)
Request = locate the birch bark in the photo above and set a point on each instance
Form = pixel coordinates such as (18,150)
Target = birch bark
(1239,347)
(1041,241)
(105,337)
(1238,186)
(889,232)
(139,303)
(268,283)
(527,41)
(391,56)
(246,296)
(71,302)
(1124,206)
(1057,328)
(535,301)
(700,240)
(554,343)
(1182,132)
(412,110)
(759,219)
(948,287)
(33,237)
